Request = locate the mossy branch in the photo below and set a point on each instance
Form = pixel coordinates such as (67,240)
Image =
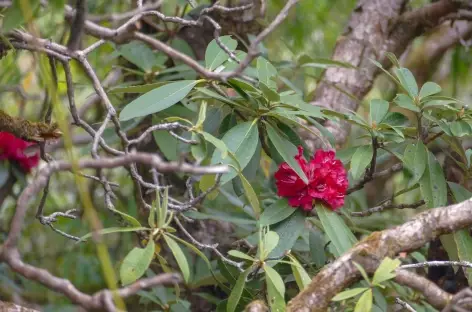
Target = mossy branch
(28,130)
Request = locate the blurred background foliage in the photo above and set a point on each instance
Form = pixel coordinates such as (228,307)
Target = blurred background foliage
(310,32)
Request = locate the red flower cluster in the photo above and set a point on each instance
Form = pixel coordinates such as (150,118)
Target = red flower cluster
(327,181)
(13,149)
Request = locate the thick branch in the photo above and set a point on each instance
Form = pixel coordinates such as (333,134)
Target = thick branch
(409,236)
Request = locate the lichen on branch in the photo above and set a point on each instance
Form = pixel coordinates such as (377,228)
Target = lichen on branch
(28,130)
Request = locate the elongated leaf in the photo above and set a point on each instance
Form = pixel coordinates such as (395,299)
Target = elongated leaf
(271,240)
(301,276)
(136,263)
(220,145)
(203,257)
(405,101)
(317,245)
(275,278)
(407,80)
(241,255)
(237,290)
(337,231)
(179,257)
(326,63)
(157,99)
(365,302)
(386,270)
(378,110)
(131,220)
(112,230)
(278,211)
(286,149)
(266,72)
(462,237)
(349,293)
(242,141)
(429,88)
(251,196)
(415,160)
(215,56)
(433,184)
(275,299)
(289,230)
(360,160)
(137,88)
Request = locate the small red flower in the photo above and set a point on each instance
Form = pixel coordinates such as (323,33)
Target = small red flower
(13,149)
(327,181)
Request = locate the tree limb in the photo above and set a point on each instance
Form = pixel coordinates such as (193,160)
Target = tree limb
(388,243)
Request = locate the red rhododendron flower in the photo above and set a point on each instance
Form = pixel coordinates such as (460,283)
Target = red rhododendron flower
(13,149)
(327,181)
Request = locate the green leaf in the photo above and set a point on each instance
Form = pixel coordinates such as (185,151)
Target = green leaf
(241,255)
(433,184)
(162,208)
(199,151)
(271,240)
(275,278)
(112,230)
(337,231)
(220,145)
(288,230)
(251,195)
(153,214)
(136,263)
(386,270)
(270,94)
(405,101)
(265,72)
(415,160)
(324,132)
(301,276)
(274,298)
(157,99)
(460,128)
(215,56)
(429,88)
(317,245)
(326,63)
(407,80)
(179,257)
(131,220)
(365,302)
(395,119)
(237,290)
(462,237)
(137,88)
(360,160)
(14,16)
(141,55)
(278,211)
(378,110)
(242,141)
(286,149)
(349,293)
(442,104)
(363,273)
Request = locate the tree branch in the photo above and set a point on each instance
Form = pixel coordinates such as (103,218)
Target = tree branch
(388,243)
